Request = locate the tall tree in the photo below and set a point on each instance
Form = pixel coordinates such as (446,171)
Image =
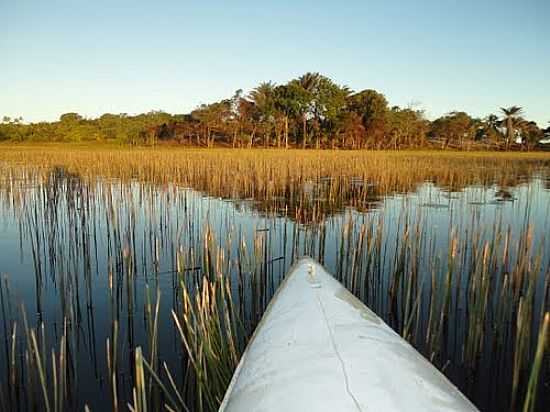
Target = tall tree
(309,84)
(530,134)
(406,127)
(454,128)
(214,117)
(491,128)
(288,105)
(352,129)
(263,98)
(329,105)
(510,118)
(373,109)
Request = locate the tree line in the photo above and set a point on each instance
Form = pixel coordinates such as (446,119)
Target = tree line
(311,111)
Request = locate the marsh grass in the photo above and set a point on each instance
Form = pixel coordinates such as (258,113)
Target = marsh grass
(120,228)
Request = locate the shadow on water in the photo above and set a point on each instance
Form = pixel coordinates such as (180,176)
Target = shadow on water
(95,268)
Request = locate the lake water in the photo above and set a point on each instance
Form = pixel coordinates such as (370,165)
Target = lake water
(69,246)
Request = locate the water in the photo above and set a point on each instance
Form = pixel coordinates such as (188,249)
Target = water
(69,248)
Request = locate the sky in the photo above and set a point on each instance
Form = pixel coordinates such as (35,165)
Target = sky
(117,56)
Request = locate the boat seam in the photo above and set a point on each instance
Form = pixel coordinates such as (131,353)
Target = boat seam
(335,348)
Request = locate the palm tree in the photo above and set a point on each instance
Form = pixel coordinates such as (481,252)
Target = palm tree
(309,83)
(288,104)
(531,134)
(263,97)
(511,118)
(491,125)
(492,121)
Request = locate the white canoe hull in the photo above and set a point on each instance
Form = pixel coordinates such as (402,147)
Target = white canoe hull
(318,348)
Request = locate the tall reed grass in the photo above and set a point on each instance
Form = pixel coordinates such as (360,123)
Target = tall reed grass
(128,263)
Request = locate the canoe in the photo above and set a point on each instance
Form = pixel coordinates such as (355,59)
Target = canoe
(318,348)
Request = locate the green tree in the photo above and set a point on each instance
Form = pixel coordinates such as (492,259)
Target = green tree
(289,103)
(454,128)
(243,119)
(70,118)
(510,119)
(352,129)
(490,128)
(213,117)
(406,127)
(530,134)
(329,105)
(373,109)
(263,98)
(316,102)
(307,86)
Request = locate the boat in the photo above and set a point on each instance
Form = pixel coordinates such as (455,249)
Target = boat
(318,348)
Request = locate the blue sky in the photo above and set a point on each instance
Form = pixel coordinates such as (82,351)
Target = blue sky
(134,56)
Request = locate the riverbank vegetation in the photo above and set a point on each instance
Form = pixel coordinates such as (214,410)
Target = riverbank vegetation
(278,177)
(311,111)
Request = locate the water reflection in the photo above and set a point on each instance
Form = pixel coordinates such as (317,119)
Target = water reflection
(446,266)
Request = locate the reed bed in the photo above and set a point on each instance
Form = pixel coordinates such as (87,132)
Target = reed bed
(148,291)
(276,173)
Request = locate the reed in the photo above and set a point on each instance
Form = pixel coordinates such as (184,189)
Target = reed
(210,235)
(530,397)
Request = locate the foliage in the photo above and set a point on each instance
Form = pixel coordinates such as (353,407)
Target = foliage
(455,127)
(309,111)
(511,121)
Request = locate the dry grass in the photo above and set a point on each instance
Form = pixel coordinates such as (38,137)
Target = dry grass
(271,174)
(59,194)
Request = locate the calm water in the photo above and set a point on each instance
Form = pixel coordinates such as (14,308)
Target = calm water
(64,242)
